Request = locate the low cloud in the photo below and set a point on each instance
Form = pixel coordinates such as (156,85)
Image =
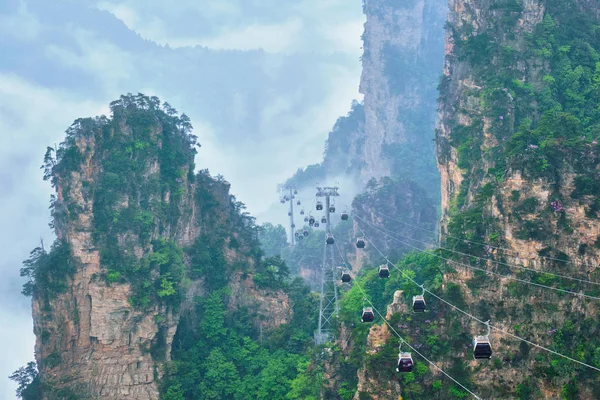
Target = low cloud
(105,62)
(276,38)
(21,25)
(301,25)
(31,117)
(255,168)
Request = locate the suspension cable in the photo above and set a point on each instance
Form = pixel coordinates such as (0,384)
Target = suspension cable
(580,294)
(485,259)
(470,241)
(402,339)
(475,318)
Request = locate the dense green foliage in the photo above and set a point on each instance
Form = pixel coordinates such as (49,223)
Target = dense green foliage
(540,96)
(226,356)
(28,384)
(130,207)
(307,254)
(536,95)
(47,272)
(435,334)
(549,120)
(273,239)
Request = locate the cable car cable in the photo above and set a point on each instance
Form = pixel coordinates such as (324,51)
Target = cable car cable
(486,259)
(485,270)
(470,241)
(411,347)
(479,320)
(397,334)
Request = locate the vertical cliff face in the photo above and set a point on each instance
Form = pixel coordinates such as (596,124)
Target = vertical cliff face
(401,62)
(369,383)
(133,225)
(512,140)
(386,143)
(517,149)
(391,133)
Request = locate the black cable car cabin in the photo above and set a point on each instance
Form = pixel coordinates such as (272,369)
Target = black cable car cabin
(311,221)
(384,271)
(367,315)
(301,212)
(298,203)
(482,347)
(316,224)
(295,192)
(332,209)
(319,206)
(329,239)
(360,243)
(305,219)
(300,237)
(289,213)
(405,362)
(282,201)
(346,276)
(296,234)
(323,220)
(305,233)
(419,304)
(344,216)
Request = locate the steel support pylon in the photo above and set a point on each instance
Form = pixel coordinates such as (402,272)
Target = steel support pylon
(328,305)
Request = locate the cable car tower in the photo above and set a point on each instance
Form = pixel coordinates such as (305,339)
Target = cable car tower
(290,197)
(328,306)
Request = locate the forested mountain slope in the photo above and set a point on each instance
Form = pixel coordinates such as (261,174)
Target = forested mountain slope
(155,281)
(517,148)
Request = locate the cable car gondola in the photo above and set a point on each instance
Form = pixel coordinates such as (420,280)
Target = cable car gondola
(360,243)
(298,203)
(300,237)
(293,226)
(295,192)
(301,212)
(323,220)
(289,213)
(332,209)
(311,221)
(282,201)
(305,219)
(482,347)
(319,206)
(367,315)
(344,216)
(384,271)
(305,233)
(405,362)
(316,224)
(419,304)
(296,234)
(330,239)
(346,276)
